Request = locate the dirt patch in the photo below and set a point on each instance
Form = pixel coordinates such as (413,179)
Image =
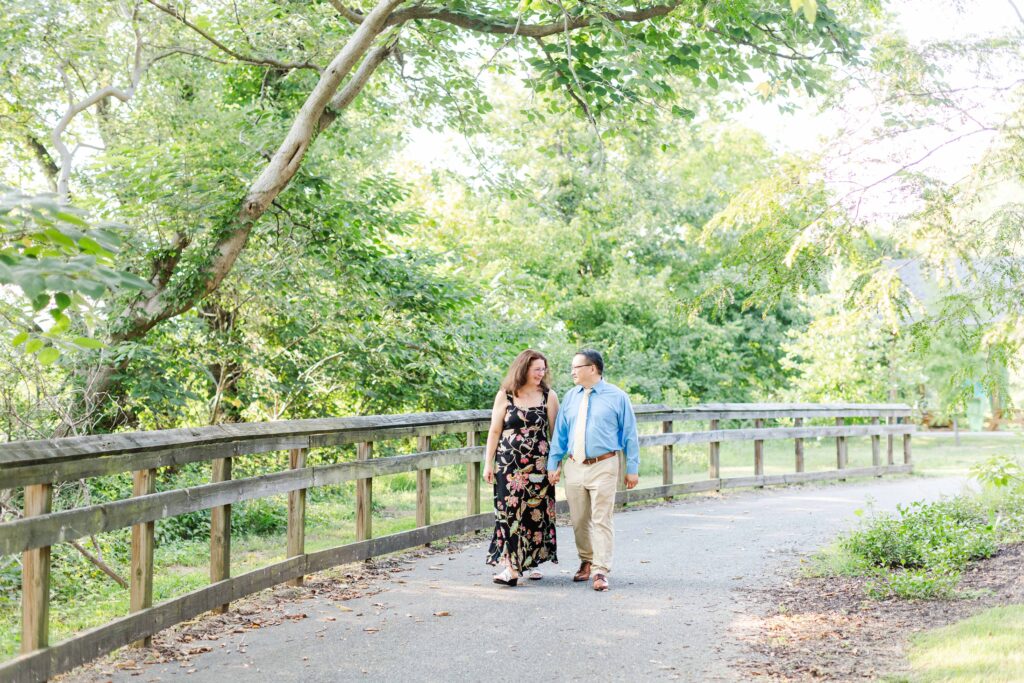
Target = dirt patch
(827,629)
(184,641)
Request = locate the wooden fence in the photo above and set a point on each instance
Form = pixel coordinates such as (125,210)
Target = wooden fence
(38,465)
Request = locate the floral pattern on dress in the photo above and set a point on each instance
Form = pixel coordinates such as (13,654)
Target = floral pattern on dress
(524,501)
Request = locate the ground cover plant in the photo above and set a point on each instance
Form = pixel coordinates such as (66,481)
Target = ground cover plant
(921,551)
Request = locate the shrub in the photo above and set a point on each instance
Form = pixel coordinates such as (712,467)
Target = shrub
(914,584)
(919,552)
(923,535)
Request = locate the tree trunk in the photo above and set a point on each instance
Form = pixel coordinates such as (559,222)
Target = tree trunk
(163,302)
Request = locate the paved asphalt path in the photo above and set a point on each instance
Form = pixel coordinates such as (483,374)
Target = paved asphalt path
(681,574)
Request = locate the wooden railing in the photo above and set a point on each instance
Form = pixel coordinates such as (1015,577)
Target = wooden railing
(38,465)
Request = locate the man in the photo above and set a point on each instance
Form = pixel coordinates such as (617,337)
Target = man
(596,420)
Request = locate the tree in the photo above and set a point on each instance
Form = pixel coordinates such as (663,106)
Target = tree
(602,56)
(826,223)
(609,254)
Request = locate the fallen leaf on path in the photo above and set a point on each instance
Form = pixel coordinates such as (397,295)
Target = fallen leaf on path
(329,619)
(300,615)
(371,629)
(442,614)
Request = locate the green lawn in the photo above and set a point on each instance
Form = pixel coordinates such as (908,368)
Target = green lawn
(986,648)
(182,566)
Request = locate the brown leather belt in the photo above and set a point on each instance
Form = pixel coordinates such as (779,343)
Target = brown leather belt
(591,461)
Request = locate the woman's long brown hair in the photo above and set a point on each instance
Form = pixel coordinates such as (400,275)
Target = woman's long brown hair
(520,368)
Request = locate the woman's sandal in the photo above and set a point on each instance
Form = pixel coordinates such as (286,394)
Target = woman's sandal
(505,578)
(535,575)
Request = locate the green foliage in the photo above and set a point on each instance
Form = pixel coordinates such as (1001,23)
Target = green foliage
(61,265)
(1000,472)
(935,583)
(919,552)
(923,535)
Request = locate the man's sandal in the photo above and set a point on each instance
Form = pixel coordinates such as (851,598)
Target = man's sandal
(583,573)
(600,582)
(535,575)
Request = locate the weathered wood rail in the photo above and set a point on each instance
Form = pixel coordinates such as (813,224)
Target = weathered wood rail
(38,465)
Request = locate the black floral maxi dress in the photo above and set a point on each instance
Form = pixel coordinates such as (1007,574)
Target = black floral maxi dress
(524,501)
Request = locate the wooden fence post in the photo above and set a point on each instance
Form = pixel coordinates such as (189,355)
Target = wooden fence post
(714,471)
(364,495)
(876,447)
(472,478)
(889,438)
(758,450)
(141,590)
(799,446)
(840,447)
(297,512)
(667,474)
(907,459)
(35,576)
(220,532)
(423,486)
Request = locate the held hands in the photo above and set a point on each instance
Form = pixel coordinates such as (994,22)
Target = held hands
(632,480)
(554,476)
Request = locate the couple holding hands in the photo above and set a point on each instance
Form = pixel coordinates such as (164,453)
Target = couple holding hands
(532,444)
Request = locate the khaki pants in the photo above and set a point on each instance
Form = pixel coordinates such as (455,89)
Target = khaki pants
(590,490)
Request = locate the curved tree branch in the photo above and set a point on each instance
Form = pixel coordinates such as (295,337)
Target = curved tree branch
(161,304)
(346,95)
(249,59)
(354,16)
(485,24)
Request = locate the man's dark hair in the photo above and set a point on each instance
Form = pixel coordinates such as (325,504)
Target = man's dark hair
(595,358)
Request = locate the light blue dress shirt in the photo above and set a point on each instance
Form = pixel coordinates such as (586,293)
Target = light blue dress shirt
(611,426)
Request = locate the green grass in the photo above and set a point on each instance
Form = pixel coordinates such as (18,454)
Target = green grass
(986,648)
(834,560)
(932,456)
(182,566)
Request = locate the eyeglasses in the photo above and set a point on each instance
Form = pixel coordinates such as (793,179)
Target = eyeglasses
(585,365)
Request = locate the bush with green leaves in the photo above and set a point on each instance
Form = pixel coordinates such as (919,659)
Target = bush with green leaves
(61,265)
(919,552)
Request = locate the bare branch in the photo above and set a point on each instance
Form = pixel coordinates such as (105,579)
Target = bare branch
(75,108)
(264,61)
(484,24)
(568,86)
(793,56)
(103,566)
(352,15)
(1016,10)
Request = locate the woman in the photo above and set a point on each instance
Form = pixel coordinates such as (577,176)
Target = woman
(516,463)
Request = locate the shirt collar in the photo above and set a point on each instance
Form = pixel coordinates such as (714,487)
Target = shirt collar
(597,388)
